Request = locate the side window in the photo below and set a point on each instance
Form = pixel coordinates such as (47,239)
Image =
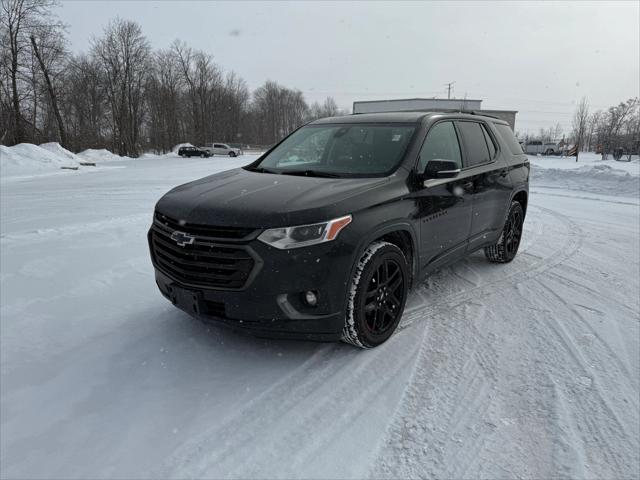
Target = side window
(490,144)
(217,145)
(509,138)
(441,144)
(477,152)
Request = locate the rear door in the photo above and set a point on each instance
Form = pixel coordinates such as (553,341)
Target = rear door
(488,173)
(444,206)
(219,149)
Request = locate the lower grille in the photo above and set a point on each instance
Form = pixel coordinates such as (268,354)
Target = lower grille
(204,262)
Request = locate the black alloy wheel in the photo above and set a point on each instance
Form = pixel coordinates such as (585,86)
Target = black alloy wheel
(383,299)
(507,247)
(376,296)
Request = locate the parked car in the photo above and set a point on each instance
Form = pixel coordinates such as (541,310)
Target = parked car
(193,152)
(535,147)
(223,149)
(326,247)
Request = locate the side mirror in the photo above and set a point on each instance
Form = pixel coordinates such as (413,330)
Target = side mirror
(441,169)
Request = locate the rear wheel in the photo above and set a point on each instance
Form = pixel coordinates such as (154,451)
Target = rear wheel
(377,295)
(232,154)
(507,246)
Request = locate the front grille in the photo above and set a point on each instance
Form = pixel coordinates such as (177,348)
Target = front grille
(212,232)
(206,262)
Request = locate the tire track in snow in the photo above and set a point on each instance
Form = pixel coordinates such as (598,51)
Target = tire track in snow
(18,239)
(430,378)
(603,420)
(296,427)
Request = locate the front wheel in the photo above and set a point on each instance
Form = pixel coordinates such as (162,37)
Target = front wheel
(377,295)
(232,154)
(507,246)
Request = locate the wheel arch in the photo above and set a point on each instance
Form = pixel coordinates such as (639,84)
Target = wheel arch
(399,233)
(522,197)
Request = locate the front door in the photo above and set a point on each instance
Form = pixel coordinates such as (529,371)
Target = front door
(444,206)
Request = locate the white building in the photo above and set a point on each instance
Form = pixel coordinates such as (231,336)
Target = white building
(432,105)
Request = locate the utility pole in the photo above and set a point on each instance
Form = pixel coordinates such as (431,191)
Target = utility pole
(449,85)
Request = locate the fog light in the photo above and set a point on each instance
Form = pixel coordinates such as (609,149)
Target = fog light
(311,298)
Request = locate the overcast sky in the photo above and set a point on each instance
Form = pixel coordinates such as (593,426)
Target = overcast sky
(537,58)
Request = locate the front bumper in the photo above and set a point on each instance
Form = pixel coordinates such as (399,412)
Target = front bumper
(271,303)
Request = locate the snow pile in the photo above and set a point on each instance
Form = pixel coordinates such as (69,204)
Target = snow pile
(28,159)
(59,150)
(99,156)
(594,178)
(586,158)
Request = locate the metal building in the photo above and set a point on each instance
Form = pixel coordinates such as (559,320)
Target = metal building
(432,105)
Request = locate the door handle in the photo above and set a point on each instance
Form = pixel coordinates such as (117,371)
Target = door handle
(467,185)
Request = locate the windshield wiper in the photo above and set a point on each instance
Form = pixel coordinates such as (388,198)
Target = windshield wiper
(310,173)
(261,170)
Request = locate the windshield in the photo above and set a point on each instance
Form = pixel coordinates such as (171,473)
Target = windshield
(340,150)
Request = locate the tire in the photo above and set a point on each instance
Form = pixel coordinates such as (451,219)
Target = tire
(507,246)
(548,152)
(203,155)
(374,307)
(232,154)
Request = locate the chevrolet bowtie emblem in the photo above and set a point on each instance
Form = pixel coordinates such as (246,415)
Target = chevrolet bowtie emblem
(182,238)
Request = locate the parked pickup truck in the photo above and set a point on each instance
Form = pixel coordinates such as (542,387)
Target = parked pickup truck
(536,147)
(222,149)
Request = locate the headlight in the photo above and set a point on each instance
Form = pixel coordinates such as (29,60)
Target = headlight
(304,235)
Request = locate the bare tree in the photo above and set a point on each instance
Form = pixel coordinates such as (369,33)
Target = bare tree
(18,20)
(579,124)
(51,50)
(124,54)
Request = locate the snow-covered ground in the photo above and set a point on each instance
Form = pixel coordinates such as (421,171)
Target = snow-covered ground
(530,369)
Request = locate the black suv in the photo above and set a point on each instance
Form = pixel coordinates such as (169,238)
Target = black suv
(193,152)
(323,235)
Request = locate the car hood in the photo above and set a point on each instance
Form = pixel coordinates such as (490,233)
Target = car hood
(260,200)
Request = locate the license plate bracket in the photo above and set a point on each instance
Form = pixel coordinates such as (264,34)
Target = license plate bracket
(187,300)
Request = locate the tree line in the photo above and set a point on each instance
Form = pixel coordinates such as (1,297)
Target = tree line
(124,95)
(601,131)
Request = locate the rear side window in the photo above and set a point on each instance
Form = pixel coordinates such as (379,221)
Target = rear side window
(489,140)
(476,148)
(441,144)
(509,138)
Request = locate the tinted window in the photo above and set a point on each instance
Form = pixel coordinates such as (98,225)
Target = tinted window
(347,150)
(489,140)
(509,138)
(441,144)
(475,144)
(217,145)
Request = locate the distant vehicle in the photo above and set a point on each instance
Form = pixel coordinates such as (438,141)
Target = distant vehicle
(222,149)
(348,212)
(194,152)
(535,147)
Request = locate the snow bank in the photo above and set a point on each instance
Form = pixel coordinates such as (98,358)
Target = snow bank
(594,178)
(28,159)
(585,158)
(99,156)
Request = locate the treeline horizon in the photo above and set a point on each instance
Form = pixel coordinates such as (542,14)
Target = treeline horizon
(123,95)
